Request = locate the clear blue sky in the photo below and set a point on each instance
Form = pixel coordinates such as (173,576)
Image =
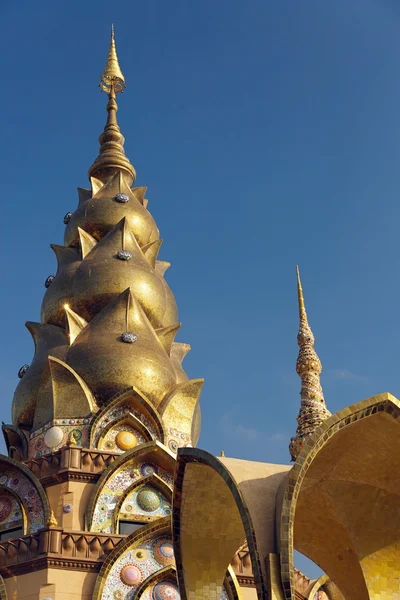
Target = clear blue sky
(268,135)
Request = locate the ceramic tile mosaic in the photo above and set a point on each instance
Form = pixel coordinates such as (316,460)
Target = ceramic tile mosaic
(135,565)
(10,510)
(79,427)
(22,486)
(113,489)
(117,413)
(145,503)
(177,439)
(109,442)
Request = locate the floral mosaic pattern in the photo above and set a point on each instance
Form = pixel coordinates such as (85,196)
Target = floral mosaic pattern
(21,485)
(177,439)
(145,503)
(10,511)
(115,414)
(79,427)
(103,515)
(109,442)
(145,559)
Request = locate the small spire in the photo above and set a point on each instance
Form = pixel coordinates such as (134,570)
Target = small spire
(222,454)
(112,157)
(308,366)
(52,521)
(112,78)
(71,441)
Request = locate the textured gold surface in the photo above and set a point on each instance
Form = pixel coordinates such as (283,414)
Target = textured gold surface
(341,506)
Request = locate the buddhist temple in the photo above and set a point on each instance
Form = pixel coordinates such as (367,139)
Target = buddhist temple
(104,494)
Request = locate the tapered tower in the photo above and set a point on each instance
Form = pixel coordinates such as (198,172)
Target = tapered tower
(102,409)
(308,366)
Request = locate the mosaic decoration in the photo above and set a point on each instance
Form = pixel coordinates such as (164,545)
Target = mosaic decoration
(129,337)
(22,371)
(117,413)
(10,511)
(114,488)
(48,281)
(145,503)
(122,198)
(67,218)
(21,485)
(165,590)
(124,255)
(177,439)
(121,437)
(57,432)
(308,366)
(134,566)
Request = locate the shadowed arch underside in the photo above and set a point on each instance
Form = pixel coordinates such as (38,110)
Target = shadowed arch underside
(218,504)
(341,505)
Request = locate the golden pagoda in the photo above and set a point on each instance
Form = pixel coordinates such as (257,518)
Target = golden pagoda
(103,494)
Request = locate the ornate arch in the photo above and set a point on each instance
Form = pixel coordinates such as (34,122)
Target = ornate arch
(153,480)
(135,541)
(26,487)
(129,468)
(166,573)
(350,458)
(132,401)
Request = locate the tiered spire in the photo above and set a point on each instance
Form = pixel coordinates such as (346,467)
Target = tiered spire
(308,366)
(112,155)
(109,318)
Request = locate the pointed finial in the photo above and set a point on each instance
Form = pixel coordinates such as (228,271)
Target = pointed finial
(52,521)
(308,366)
(112,79)
(112,157)
(71,439)
(222,454)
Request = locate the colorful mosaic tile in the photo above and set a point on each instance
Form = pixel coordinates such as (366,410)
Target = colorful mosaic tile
(10,510)
(111,441)
(177,439)
(19,483)
(114,488)
(115,414)
(145,503)
(54,435)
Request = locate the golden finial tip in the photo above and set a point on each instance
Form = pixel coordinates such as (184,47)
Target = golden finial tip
(52,521)
(112,79)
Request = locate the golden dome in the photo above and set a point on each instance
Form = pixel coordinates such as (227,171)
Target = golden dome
(99,213)
(112,266)
(48,340)
(108,365)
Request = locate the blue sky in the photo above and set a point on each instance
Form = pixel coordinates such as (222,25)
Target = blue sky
(268,135)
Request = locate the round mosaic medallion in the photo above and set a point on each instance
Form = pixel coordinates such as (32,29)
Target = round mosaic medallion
(125,440)
(5,507)
(53,437)
(164,552)
(165,590)
(141,555)
(129,337)
(124,255)
(131,575)
(48,281)
(173,445)
(110,445)
(3,479)
(148,500)
(122,198)
(22,371)
(148,469)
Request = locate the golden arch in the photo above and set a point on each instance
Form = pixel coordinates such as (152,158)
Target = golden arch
(208,502)
(341,501)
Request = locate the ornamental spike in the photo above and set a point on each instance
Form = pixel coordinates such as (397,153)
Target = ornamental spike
(308,366)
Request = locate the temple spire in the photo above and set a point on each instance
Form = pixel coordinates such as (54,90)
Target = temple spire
(112,157)
(308,366)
